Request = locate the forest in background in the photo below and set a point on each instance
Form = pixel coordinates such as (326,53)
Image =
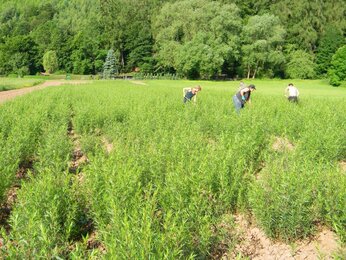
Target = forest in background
(193,38)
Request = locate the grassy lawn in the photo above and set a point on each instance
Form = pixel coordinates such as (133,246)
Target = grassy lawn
(16,83)
(266,87)
(29,81)
(307,88)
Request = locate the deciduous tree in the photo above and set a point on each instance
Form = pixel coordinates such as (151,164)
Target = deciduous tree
(193,41)
(301,65)
(263,38)
(305,21)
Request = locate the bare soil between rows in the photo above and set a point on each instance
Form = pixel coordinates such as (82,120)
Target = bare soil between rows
(254,244)
(10,94)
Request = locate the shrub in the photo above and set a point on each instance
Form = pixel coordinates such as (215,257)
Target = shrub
(337,71)
(334,79)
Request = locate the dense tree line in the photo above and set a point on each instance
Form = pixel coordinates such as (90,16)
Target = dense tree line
(193,38)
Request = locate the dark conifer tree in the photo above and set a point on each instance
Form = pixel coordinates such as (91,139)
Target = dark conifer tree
(329,44)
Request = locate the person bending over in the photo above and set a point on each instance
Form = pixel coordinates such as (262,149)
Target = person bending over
(191,93)
(243,96)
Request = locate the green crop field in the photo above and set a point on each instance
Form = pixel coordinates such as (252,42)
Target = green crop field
(159,179)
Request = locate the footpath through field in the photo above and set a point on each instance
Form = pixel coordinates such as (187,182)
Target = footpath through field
(10,94)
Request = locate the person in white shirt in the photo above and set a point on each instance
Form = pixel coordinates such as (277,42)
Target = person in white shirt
(292,93)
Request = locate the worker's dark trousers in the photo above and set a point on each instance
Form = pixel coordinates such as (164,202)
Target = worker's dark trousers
(293,99)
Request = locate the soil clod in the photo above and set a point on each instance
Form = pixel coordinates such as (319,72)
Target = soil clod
(107,145)
(343,166)
(282,144)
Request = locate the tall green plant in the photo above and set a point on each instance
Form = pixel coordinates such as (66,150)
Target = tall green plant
(50,61)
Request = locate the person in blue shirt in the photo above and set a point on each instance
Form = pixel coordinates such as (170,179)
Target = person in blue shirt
(191,93)
(242,97)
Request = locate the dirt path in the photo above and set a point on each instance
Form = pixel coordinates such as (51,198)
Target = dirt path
(137,82)
(10,94)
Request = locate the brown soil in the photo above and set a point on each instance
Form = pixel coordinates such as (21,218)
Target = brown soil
(6,207)
(107,145)
(226,228)
(93,243)
(254,244)
(78,160)
(78,157)
(343,165)
(212,142)
(11,195)
(7,95)
(282,144)
(258,174)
